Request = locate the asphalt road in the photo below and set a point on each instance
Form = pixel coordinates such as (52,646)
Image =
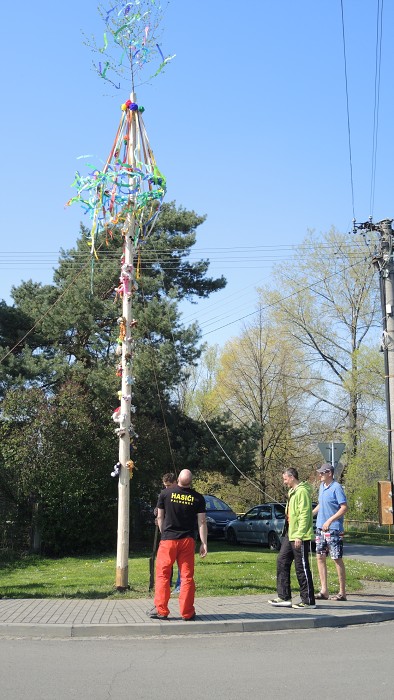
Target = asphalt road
(369,552)
(353,662)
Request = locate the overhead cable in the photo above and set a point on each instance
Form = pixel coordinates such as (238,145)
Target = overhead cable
(347,110)
(378,61)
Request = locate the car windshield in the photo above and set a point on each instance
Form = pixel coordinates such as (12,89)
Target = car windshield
(214,503)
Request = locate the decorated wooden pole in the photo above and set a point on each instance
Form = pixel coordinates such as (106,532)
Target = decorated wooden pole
(126,429)
(125,196)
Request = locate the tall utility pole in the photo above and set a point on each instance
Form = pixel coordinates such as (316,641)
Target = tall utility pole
(384,263)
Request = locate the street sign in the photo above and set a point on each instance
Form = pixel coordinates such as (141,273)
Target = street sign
(332,451)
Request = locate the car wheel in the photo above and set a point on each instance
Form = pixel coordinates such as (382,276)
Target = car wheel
(274,541)
(231,536)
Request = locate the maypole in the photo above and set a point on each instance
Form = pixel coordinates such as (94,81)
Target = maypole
(125,196)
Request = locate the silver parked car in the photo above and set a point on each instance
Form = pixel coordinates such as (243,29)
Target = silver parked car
(262,524)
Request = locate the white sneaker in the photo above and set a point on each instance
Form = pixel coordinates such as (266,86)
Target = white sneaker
(280,603)
(176,590)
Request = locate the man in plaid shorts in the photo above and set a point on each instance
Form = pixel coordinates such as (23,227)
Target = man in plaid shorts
(330,510)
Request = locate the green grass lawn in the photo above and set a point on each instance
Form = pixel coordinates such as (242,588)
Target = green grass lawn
(225,571)
(369,538)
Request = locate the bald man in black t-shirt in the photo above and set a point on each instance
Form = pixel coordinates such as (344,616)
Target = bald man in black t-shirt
(177,510)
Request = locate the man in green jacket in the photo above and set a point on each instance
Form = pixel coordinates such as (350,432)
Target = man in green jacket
(296,545)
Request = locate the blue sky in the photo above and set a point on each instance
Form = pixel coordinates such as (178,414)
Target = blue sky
(248,123)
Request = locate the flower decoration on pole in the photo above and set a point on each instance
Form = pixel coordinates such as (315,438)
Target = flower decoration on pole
(126,196)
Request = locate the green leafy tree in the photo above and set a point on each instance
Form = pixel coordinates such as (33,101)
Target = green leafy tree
(54,467)
(16,365)
(78,317)
(76,325)
(363,472)
(326,305)
(259,385)
(195,392)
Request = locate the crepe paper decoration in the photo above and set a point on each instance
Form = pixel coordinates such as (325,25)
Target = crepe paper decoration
(129,184)
(160,52)
(162,65)
(105,43)
(116,417)
(103,74)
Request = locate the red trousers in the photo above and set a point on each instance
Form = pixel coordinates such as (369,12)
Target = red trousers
(181,551)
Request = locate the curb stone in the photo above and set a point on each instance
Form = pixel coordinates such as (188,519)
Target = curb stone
(76,619)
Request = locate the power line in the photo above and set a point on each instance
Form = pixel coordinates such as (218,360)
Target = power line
(27,259)
(87,259)
(347,110)
(298,291)
(200,251)
(378,61)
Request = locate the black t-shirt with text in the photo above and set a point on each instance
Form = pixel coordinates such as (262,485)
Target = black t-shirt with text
(180,506)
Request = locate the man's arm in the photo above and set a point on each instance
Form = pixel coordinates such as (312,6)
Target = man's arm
(304,504)
(203,532)
(160,518)
(315,510)
(342,510)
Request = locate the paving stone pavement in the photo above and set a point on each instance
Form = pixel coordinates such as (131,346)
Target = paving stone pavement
(68,618)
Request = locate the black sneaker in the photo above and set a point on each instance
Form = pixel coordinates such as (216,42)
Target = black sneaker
(189,619)
(154,615)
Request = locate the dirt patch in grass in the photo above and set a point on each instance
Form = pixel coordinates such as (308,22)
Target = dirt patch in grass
(377,587)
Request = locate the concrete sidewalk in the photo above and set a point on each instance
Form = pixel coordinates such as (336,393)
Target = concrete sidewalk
(76,618)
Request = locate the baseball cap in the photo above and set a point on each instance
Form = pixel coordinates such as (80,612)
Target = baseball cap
(325,468)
